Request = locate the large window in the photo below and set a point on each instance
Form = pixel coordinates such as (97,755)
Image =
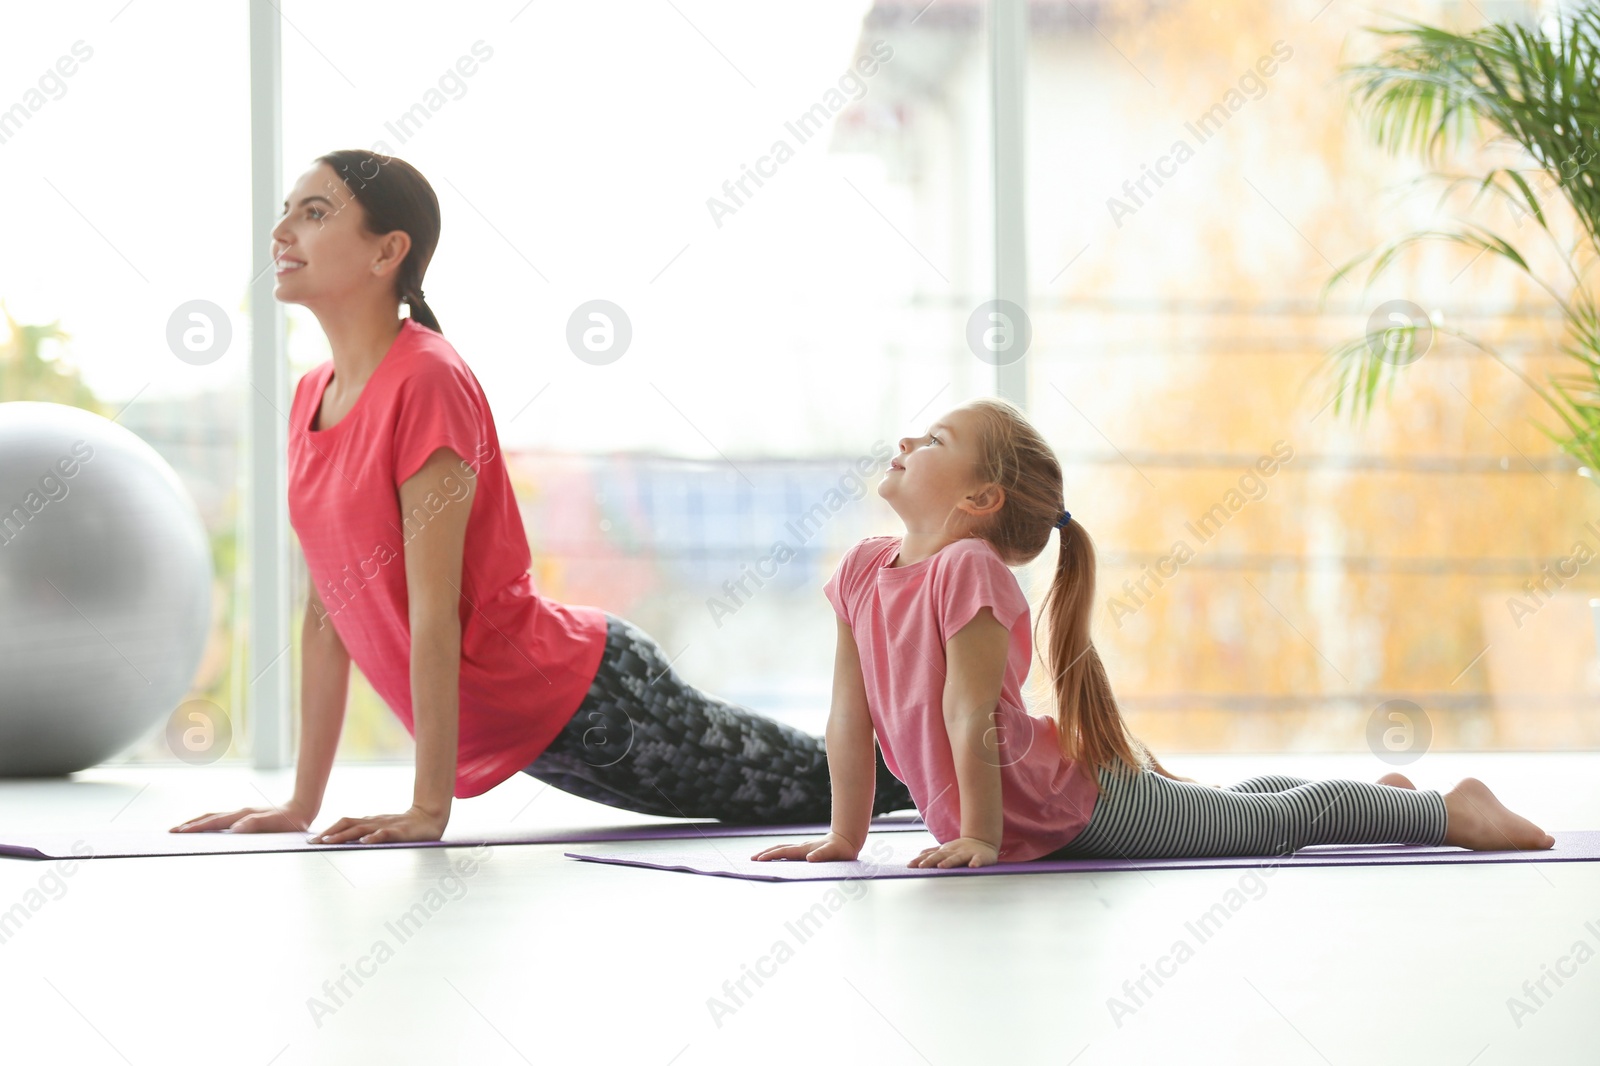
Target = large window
(124,153)
(711,260)
(1180,232)
(789,207)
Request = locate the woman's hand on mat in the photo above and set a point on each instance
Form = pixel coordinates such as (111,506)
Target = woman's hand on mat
(962,851)
(414,824)
(831,848)
(250,820)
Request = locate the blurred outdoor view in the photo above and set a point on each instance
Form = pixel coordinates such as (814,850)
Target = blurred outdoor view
(790,326)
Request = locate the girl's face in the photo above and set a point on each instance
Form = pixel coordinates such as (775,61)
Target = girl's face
(933,483)
(323,253)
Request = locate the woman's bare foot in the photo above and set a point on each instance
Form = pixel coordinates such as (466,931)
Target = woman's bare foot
(1475,819)
(1397,780)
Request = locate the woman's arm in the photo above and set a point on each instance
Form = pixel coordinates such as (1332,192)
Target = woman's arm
(435,538)
(324,689)
(975,663)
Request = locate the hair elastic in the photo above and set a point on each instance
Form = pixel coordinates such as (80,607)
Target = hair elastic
(1066,516)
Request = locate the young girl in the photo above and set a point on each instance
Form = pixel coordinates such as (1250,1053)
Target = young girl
(419,570)
(933,647)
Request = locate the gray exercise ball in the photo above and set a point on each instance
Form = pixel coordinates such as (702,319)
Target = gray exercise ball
(105,589)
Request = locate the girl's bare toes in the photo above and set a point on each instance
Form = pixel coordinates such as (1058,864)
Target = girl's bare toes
(1397,780)
(1476,819)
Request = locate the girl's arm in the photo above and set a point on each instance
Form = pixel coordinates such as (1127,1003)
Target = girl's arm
(433,595)
(975,663)
(852,766)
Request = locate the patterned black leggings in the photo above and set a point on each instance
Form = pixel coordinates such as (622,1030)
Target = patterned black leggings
(645,740)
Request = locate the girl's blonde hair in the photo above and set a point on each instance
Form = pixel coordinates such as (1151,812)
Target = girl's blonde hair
(1014,456)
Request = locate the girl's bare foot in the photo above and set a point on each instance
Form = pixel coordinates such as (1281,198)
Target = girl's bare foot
(1397,780)
(1475,819)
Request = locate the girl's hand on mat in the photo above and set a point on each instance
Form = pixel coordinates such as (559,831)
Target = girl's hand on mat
(414,824)
(962,851)
(249,820)
(831,848)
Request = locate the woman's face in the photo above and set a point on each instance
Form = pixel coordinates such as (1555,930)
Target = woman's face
(934,478)
(322,251)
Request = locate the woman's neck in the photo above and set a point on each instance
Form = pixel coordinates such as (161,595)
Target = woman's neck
(359,343)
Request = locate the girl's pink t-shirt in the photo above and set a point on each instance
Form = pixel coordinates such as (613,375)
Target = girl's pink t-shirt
(901,618)
(526,662)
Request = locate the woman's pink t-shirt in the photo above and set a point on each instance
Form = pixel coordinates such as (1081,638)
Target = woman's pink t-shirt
(901,617)
(526,662)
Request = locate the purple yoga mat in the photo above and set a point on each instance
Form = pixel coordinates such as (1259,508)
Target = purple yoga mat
(152,843)
(887,857)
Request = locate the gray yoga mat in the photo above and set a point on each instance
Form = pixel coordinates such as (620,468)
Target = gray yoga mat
(152,843)
(887,857)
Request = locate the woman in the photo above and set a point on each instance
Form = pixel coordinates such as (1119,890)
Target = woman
(419,570)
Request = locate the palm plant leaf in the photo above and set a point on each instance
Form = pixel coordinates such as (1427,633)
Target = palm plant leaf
(1429,94)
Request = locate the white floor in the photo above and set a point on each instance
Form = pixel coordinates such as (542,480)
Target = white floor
(542,959)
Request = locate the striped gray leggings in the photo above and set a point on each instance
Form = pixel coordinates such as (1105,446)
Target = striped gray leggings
(1142,815)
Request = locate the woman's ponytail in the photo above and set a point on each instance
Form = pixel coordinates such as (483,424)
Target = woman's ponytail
(421,313)
(394,195)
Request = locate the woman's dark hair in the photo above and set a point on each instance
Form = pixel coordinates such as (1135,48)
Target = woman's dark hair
(394,195)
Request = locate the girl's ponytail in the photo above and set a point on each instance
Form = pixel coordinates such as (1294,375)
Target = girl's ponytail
(1089,721)
(1014,456)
